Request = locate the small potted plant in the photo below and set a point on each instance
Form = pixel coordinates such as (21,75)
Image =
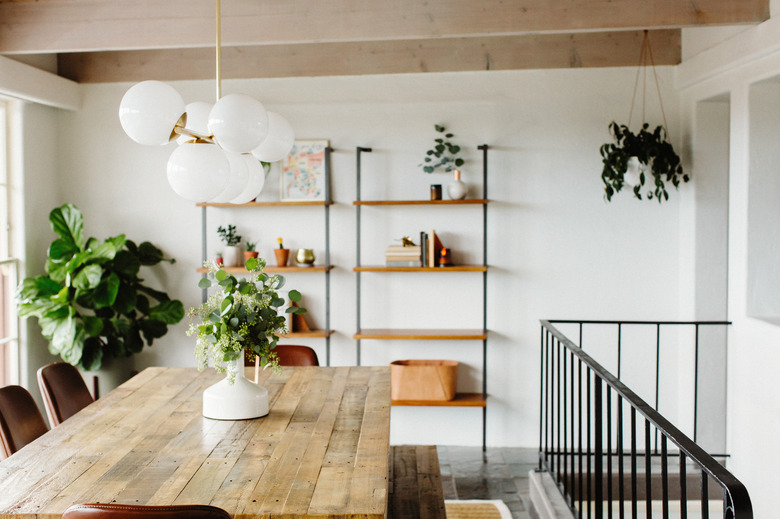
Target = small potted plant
(219,261)
(251,250)
(242,316)
(282,254)
(232,253)
(445,155)
(631,156)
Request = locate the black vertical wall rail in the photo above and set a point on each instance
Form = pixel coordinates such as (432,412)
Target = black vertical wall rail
(562,449)
(484,148)
(328,201)
(358,165)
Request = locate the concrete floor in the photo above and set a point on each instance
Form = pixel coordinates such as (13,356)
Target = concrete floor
(499,473)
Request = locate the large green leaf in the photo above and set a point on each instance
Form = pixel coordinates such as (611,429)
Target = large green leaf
(67,222)
(92,354)
(169,312)
(38,287)
(106,291)
(106,250)
(62,250)
(93,325)
(126,298)
(126,263)
(149,254)
(88,277)
(152,329)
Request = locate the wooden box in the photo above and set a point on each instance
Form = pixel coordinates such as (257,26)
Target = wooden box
(423,379)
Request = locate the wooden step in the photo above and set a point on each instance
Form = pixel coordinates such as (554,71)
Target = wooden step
(415,483)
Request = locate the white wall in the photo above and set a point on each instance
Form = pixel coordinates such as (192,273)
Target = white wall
(730,72)
(556,248)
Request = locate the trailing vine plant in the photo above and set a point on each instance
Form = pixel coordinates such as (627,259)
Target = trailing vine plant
(655,154)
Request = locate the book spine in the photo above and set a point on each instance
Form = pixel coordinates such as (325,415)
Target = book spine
(423,248)
(411,263)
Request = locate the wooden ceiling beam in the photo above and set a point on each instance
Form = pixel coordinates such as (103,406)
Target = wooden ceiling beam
(55,26)
(539,51)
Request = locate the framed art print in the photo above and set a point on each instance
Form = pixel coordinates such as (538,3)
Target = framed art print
(303,174)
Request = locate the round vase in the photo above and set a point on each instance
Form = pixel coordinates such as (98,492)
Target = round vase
(232,256)
(456,189)
(240,400)
(305,257)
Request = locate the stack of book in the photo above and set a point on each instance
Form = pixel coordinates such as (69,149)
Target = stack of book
(403,256)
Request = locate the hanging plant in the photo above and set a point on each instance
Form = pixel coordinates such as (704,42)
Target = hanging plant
(655,155)
(444,154)
(629,160)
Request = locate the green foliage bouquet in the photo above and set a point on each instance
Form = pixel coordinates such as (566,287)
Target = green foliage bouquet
(91,304)
(242,316)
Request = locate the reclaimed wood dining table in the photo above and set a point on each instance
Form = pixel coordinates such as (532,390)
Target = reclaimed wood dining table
(321,452)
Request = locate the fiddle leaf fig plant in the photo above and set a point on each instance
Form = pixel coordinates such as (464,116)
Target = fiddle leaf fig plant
(91,304)
(443,154)
(655,155)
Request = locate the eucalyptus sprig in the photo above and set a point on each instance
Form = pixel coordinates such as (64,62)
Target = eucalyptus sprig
(243,315)
(444,154)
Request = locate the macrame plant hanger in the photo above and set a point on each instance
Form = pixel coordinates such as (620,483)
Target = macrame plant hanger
(645,59)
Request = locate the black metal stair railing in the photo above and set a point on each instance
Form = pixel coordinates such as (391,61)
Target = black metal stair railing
(595,438)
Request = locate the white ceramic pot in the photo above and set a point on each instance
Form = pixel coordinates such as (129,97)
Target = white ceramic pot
(240,400)
(233,256)
(456,189)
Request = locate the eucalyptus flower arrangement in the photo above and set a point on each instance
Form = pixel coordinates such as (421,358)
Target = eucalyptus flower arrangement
(243,315)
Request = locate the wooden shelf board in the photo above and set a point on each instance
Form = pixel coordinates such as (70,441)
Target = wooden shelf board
(455,268)
(299,203)
(274,270)
(312,334)
(460,400)
(421,334)
(468,201)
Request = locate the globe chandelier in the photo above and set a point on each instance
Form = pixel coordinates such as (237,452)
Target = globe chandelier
(223,148)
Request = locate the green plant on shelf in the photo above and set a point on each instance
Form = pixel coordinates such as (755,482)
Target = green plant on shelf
(229,235)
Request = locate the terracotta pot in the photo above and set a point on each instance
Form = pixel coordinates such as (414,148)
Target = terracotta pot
(249,254)
(281,257)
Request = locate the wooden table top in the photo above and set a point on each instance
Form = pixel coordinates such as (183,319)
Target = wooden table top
(321,452)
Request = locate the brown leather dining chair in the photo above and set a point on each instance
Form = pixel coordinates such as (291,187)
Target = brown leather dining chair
(64,391)
(120,511)
(20,419)
(289,355)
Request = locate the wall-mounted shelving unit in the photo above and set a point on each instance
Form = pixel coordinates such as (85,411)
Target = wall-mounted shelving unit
(323,269)
(461,399)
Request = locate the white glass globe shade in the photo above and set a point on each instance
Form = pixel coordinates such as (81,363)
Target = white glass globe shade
(239,178)
(197,120)
(149,112)
(633,169)
(198,172)
(256,181)
(279,141)
(239,123)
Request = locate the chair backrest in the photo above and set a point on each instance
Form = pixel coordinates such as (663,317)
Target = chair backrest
(20,420)
(64,391)
(291,355)
(120,511)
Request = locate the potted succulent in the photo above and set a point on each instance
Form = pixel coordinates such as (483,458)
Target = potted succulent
(445,155)
(242,316)
(251,250)
(91,304)
(282,254)
(629,159)
(231,256)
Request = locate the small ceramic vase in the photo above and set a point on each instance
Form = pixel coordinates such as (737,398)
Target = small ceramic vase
(456,189)
(305,257)
(233,256)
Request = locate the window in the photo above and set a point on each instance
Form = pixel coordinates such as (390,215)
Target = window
(9,323)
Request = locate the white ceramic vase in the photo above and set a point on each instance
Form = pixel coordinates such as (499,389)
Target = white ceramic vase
(456,189)
(233,256)
(240,400)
